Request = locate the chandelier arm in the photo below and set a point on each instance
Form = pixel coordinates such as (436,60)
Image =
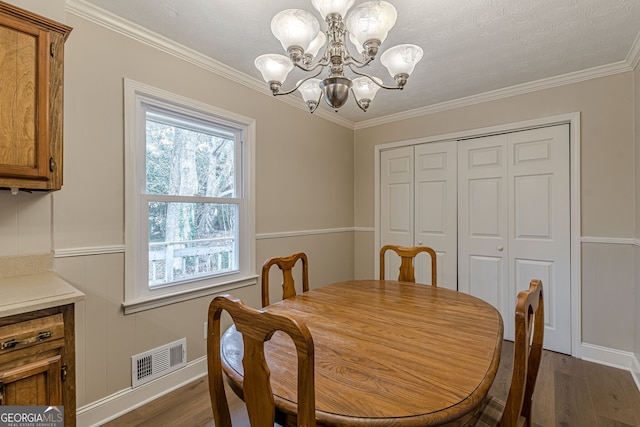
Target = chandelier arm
(351,61)
(316,65)
(298,85)
(373,80)
(349,58)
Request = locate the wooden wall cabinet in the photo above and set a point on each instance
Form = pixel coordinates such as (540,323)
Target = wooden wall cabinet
(37,360)
(31,107)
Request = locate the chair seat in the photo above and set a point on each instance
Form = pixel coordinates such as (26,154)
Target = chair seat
(489,413)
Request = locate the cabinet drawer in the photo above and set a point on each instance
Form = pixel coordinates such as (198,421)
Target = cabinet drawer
(26,334)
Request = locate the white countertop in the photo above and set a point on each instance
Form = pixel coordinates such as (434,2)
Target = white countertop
(22,294)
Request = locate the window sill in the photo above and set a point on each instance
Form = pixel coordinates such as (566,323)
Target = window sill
(148,303)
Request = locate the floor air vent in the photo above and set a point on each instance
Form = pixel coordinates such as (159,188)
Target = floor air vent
(160,361)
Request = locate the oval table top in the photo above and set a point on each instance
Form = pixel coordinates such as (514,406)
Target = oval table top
(386,353)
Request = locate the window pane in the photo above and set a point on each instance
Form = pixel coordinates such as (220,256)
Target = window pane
(191,240)
(188,161)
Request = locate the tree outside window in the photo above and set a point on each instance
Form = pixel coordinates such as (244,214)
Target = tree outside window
(189,239)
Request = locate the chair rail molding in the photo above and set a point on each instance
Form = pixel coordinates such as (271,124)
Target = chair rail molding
(610,240)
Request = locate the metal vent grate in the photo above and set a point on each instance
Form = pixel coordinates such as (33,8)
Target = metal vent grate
(160,361)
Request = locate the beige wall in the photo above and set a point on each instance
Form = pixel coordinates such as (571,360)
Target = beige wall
(53,9)
(607,187)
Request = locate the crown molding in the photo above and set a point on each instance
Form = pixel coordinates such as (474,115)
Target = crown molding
(136,32)
(633,57)
(551,82)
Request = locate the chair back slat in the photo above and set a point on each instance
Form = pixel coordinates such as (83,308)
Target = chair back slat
(407,256)
(256,328)
(286,264)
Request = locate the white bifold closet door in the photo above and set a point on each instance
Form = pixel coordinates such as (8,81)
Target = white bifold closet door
(419,208)
(514,223)
(496,211)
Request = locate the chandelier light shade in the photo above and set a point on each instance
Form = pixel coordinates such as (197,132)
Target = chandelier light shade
(401,60)
(316,44)
(366,87)
(310,91)
(313,51)
(371,21)
(358,46)
(295,29)
(330,7)
(274,68)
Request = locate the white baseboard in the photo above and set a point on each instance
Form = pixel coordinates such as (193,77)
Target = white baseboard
(615,358)
(117,404)
(635,370)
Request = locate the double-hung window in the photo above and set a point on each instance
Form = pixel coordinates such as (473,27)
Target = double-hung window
(189,226)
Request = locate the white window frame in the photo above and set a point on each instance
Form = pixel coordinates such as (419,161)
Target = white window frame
(138,295)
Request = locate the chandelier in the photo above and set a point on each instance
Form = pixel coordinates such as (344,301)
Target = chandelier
(366,26)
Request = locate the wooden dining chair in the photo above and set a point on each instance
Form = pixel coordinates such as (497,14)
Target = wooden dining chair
(257,327)
(407,255)
(285,264)
(527,348)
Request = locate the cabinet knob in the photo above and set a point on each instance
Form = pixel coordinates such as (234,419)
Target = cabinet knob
(499,248)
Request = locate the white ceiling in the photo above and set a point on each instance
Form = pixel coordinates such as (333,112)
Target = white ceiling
(471,47)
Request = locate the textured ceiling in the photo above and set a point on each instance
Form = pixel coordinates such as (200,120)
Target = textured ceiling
(470,47)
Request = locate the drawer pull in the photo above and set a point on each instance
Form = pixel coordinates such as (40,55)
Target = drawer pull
(12,343)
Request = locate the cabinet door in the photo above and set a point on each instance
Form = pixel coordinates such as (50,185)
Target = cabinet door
(24,100)
(34,384)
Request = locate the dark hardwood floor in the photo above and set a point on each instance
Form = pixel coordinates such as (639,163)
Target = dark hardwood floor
(569,392)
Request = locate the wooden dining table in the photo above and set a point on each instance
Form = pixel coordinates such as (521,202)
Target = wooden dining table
(387,353)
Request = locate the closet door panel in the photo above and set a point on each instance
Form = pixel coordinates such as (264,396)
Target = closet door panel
(482,226)
(396,203)
(539,246)
(485,278)
(436,209)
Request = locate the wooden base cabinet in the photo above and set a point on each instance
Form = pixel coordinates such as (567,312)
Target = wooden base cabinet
(31,108)
(37,360)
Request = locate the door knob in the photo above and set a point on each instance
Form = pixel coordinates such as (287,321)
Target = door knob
(499,248)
